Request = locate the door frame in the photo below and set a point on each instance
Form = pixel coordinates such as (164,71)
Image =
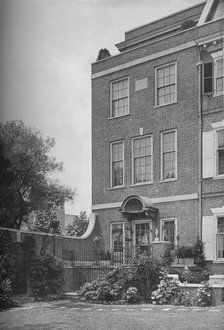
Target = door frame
(140,221)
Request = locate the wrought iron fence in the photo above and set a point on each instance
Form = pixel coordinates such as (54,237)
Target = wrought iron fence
(102,258)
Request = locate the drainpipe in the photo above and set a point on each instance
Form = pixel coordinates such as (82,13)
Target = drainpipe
(199,67)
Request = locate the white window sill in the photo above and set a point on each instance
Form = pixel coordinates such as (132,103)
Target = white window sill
(219,177)
(164,105)
(117,187)
(126,114)
(141,184)
(168,180)
(218,261)
(217,94)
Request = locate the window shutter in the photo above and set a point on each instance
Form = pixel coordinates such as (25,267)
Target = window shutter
(208,78)
(208,171)
(208,237)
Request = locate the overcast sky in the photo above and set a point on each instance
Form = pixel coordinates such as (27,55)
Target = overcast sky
(47,48)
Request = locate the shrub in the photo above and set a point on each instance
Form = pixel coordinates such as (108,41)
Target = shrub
(144,274)
(127,285)
(46,275)
(166,291)
(204,295)
(8,258)
(101,291)
(199,257)
(131,296)
(194,275)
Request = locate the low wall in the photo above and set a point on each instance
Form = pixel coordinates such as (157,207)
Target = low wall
(217,292)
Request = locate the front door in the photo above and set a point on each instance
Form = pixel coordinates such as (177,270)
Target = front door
(142,235)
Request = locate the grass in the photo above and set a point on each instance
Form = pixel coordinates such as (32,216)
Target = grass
(70,315)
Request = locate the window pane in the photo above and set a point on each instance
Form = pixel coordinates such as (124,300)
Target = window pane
(166,80)
(220,85)
(117,164)
(220,139)
(220,237)
(117,237)
(120,98)
(169,155)
(142,159)
(221,162)
(221,225)
(169,232)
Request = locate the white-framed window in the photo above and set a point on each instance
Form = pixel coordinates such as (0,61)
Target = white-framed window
(169,231)
(168,155)
(166,84)
(213,234)
(219,75)
(142,230)
(213,152)
(220,152)
(142,159)
(117,236)
(119,96)
(220,237)
(117,163)
(213,82)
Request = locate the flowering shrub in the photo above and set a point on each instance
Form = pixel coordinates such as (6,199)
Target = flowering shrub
(204,296)
(125,285)
(101,291)
(167,290)
(194,275)
(170,292)
(131,296)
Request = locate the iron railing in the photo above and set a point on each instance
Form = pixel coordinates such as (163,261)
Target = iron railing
(103,257)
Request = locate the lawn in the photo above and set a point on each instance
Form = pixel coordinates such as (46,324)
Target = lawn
(70,315)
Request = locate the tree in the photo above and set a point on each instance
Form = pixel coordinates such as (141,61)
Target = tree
(79,225)
(103,53)
(25,168)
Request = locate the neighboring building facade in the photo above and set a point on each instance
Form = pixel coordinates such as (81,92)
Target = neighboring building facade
(158,134)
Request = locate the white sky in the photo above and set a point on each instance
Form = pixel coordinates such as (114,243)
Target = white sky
(47,48)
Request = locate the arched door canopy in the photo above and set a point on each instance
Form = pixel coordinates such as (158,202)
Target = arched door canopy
(135,204)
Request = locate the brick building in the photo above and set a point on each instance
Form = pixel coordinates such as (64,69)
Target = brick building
(158,134)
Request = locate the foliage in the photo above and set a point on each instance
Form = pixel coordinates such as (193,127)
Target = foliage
(79,225)
(8,260)
(42,221)
(187,24)
(204,295)
(199,257)
(25,166)
(194,275)
(125,284)
(46,275)
(131,296)
(170,292)
(144,273)
(103,53)
(167,290)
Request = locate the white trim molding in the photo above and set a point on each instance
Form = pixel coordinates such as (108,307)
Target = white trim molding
(144,59)
(159,200)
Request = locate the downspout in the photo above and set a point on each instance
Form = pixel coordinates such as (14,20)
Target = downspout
(199,67)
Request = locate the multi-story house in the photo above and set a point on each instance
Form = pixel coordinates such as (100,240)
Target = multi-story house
(158,134)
